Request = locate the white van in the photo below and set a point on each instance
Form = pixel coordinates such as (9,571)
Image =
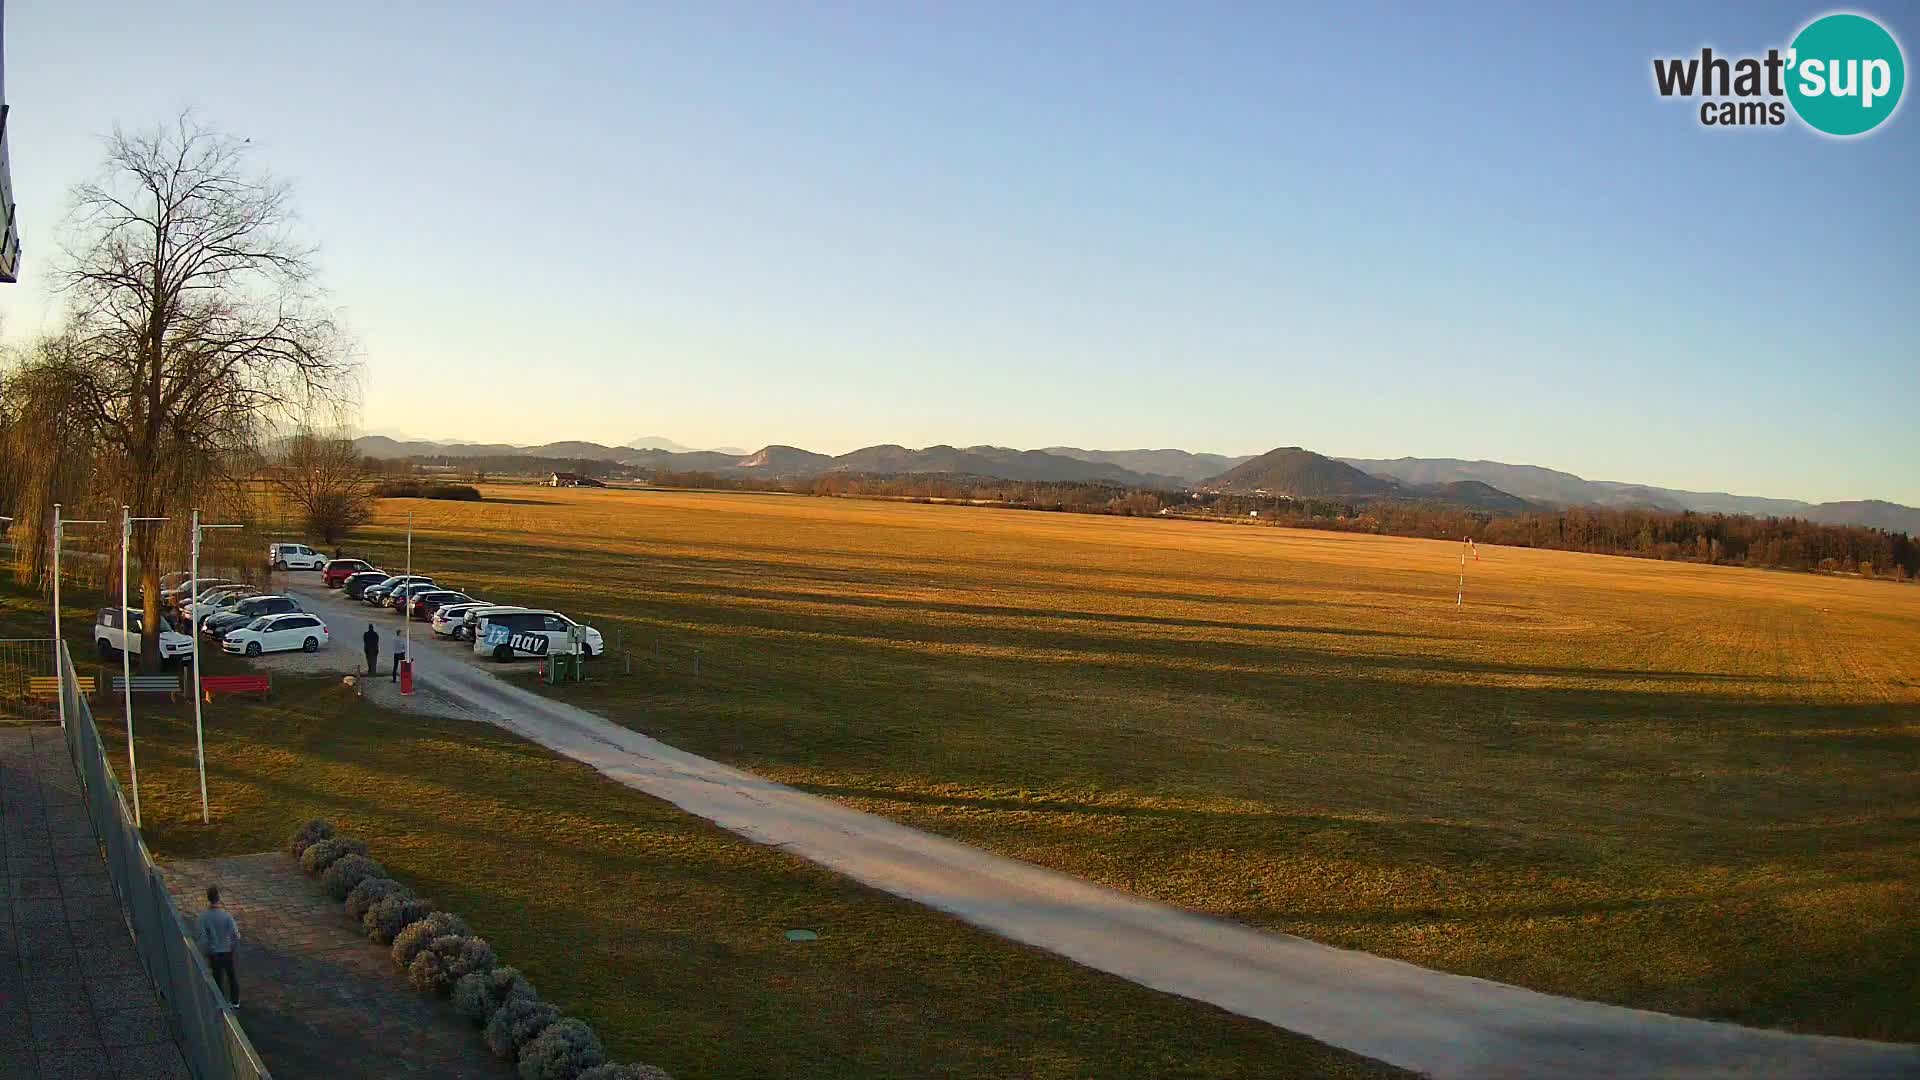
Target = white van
(510,635)
(294,557)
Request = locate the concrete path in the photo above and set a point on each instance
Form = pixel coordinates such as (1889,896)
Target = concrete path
(320,1001)
(74,1001)
(1428,1021)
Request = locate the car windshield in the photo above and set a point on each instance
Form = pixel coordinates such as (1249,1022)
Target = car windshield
(260,623)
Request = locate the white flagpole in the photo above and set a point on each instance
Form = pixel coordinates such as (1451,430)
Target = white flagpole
(199,740)
(126,638)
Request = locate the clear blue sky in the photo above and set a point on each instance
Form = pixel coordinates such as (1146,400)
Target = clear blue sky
(1366,230)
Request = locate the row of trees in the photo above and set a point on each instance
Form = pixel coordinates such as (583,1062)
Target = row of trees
(193,335)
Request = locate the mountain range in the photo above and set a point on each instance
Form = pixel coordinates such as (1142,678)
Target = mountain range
(1481,485)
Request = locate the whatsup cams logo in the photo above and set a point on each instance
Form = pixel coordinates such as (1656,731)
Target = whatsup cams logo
(1841,75)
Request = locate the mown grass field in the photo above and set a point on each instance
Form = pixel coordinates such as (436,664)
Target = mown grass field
(665,933)
(1686,788)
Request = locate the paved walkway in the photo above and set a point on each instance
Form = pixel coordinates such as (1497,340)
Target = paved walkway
(74,1002)
(1449,1026)
(319,1000)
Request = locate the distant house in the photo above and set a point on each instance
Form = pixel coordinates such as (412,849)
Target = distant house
(567,479)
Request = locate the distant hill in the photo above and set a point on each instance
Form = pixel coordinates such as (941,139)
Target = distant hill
(1178,464)
(785,461)
(992,461)
(1870,512)
(661,442)
(1490,486)
(1554,488)
(1302,474)
(1476,495)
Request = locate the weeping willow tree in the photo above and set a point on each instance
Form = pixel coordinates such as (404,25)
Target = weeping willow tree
(193,329)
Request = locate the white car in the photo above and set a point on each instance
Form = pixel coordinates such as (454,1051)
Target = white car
(277,633)
(294,557)
(110,637)
(214,602)
(182,592)
(450,620)
(509,635)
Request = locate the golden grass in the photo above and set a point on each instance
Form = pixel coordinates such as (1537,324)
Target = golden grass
(664,932)
(1681,787)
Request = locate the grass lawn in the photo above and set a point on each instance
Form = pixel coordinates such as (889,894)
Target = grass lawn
(665,933)
(1686,788)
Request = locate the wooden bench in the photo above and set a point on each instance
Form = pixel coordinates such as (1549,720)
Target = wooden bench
(48,686)
(236,684)
(149,684)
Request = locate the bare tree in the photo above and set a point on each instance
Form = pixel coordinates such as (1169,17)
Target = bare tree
(193,327)
(324,478)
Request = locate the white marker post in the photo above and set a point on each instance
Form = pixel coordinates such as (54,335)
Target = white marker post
(126,657)
(193,586)
(59,524)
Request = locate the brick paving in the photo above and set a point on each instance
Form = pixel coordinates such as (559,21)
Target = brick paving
(318,999)
(74,1001)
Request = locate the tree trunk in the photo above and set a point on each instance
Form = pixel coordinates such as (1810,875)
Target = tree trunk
(147,541)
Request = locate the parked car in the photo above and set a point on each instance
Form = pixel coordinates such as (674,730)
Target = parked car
(376,595)
(398,596)
(422,605)
(294,557)
(277,633)
(182,591)
(215,601)
(245,612)
(337,571)
(450,620)
(510,635)
(477,618)
(110,637)
(357,584)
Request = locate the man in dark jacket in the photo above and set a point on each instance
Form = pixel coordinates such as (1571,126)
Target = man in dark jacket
(371,639)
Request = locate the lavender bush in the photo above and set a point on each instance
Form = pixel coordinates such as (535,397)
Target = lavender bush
(515,1023)
(478,993)
(562,1051)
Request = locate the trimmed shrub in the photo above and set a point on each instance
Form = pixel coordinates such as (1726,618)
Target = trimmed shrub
(611,1071)
(408,942)
(478,993)
(447,960)
(386,918)
(308,834)
(515,1023)
(348,871)
(371,891)
(324,853)
(562,1051)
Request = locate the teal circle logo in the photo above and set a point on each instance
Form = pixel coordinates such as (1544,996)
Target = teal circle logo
(1845,74)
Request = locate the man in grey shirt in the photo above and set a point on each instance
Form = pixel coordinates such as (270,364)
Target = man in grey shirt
(219,934)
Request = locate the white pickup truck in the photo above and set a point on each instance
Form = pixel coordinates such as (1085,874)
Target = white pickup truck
(110,637)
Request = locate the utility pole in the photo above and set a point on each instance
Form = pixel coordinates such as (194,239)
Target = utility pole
(59,524)
(193,585)
(126,655)
(406,614)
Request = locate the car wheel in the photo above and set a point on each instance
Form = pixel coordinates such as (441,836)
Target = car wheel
(503,653)
(253,648)
(586,651)
(311,645)
(106,649)
(281,565)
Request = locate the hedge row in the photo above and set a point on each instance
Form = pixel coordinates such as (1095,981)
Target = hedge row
(441,955)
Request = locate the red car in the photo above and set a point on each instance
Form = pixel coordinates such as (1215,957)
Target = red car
(337,571)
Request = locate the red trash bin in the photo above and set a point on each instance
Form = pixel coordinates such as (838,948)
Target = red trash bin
(406,678)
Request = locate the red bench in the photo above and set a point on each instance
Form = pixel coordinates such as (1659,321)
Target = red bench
(236,684)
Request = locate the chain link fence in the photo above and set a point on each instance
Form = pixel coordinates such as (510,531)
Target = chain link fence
(216,1048)
(28,689)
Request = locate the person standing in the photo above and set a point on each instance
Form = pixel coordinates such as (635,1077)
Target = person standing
(371,640)
(219,936)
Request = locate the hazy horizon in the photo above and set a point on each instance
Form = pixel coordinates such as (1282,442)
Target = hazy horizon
(1378,232)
